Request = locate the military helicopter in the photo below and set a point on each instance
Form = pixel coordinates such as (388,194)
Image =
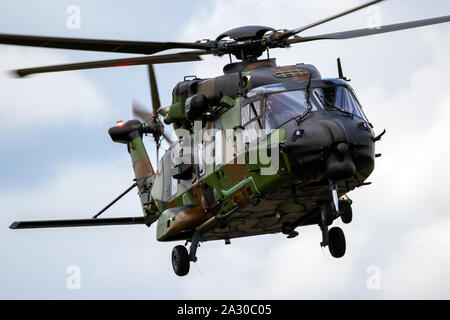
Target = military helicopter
(325,144)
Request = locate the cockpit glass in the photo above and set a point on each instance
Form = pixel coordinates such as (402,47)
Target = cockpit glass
(284,106)
(339,98)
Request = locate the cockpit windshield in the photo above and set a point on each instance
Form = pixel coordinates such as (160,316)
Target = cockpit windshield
(339,98)
(283,106)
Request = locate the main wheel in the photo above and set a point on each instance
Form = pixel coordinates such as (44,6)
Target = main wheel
(346,211)
(180,260)
(336,242)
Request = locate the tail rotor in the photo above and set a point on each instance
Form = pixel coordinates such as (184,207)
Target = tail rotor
(153,116)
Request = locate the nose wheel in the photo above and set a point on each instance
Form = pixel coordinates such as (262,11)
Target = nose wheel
(334,238)
(346,211)
(336,242)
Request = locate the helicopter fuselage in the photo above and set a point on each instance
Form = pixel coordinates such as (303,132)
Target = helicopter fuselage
(319,145)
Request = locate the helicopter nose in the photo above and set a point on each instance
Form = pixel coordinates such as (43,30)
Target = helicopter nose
(340,165)
(336,149)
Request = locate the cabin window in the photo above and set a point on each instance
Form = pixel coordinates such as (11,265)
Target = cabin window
(251,120)
(201,158)
(255,109)
(174,186)
(218,149)
(245,114)
(252,130)
(250,112)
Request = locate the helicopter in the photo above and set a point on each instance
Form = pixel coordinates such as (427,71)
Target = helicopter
(214,182)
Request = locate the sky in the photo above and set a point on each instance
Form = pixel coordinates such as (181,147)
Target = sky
(57,160)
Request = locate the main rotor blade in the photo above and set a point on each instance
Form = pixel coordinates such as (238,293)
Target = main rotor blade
(156,103)
(368,32)
(76,223)
(145,47)
(292,32)
(164,58)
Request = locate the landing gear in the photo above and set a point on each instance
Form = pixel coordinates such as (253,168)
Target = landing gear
(336,242)
(327,214)
(333,189)
(346,211)
(289,230)
(334,238)
(181,258)
(293,234)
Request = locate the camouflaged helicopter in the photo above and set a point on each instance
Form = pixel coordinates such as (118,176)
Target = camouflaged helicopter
(326,146)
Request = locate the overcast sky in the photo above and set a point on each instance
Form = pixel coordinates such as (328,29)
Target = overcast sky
(57,160)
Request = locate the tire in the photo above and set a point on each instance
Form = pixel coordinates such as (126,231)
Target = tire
(336,242)
(329,214)
(346,211)
(180,260)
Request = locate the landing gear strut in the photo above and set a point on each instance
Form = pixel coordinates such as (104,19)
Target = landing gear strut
(181,258)
(333,188)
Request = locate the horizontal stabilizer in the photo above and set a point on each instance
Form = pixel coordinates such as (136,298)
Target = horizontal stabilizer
(76,223)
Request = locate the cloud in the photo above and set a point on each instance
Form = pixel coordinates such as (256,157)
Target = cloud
(420,271)
(47,100)
(78,190)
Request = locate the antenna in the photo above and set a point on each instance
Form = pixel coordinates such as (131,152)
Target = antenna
(242,85)
(340,73)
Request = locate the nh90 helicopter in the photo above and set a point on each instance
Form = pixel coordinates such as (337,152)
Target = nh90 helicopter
(325,144)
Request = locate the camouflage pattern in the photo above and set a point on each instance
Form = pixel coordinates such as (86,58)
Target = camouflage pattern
(144,176)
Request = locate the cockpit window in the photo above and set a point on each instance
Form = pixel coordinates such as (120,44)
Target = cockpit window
(284,106)
(339,98)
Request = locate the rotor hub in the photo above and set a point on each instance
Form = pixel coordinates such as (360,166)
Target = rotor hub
(245,43)
(245,33)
